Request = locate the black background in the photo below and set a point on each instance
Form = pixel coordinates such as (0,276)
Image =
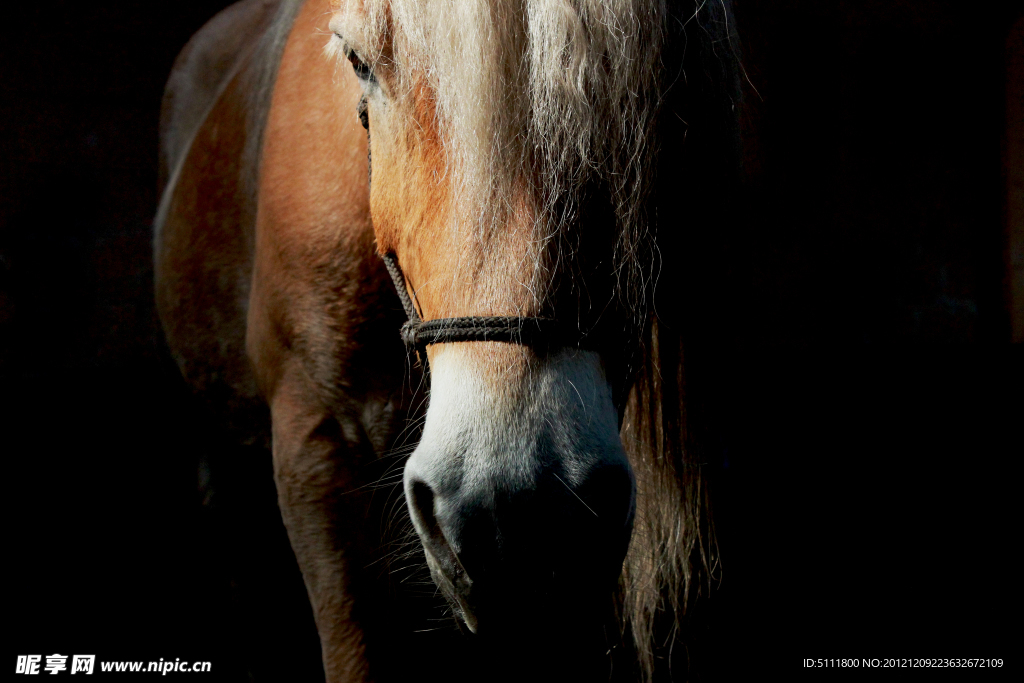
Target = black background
(866,401)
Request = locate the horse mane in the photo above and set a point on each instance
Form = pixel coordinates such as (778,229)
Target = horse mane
(673,559)
(672,554)
(679,65)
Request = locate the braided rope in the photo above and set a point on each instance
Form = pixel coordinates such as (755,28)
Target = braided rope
(511,330)
(391,262)
(417,333)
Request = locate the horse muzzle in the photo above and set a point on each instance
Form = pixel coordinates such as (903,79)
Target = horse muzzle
(520,490)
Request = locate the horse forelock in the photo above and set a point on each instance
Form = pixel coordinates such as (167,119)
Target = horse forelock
(537,101)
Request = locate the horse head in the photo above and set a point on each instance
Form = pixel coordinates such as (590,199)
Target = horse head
(510,159)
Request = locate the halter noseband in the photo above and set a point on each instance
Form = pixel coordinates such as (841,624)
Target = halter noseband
(417,334)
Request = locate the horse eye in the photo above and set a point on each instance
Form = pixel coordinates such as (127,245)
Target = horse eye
(362,69)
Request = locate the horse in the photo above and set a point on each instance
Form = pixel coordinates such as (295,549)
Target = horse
(520,187)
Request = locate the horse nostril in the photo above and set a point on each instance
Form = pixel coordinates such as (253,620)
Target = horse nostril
(423,511)
(438,546)
(445,567)
(421,507)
